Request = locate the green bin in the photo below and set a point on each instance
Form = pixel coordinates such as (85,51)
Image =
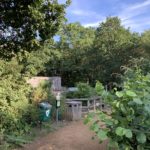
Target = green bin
(45,111)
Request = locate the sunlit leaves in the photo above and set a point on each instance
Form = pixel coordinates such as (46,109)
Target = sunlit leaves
(128,133)
(120,131)
(129,123)
(102,135)
(130,93)
(119,94)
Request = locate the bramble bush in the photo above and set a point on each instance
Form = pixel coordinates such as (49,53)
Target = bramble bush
(127,127)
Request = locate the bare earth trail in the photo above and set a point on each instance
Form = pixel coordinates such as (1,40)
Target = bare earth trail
(75,136)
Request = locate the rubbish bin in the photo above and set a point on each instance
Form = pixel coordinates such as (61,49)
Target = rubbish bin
(74,110)
(45,111)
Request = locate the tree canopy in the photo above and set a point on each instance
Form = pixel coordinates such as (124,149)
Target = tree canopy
(75,41)
(113,47)
(25,25)
(91,54)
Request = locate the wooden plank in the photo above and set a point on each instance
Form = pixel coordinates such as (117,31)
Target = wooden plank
(83,99)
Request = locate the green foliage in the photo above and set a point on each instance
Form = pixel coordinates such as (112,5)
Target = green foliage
(142,63)
(14,100)
(3,144)
(38,62)
(84,91)
(72,65)
(114,46)
(42,92)
(99,88)
(35,22)
(145,42)
(18,112)
(17,140)
(128,125)
(18,104)
(90,54)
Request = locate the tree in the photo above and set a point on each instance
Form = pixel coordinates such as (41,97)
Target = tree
(145,40)
(37,62)
(25,25)
(113,47)
(75,41)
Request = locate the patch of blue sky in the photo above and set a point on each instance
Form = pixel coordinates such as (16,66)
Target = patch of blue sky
(133,13)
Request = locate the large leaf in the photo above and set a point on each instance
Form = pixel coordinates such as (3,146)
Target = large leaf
(128,133)
(119,94)
(120,131)
(131,93)
(102,135)
(141,138)
(112,144)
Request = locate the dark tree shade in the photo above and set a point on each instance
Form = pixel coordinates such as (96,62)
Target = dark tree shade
(26,24)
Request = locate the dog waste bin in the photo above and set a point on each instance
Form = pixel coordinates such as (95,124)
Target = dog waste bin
(45,111)
(74,110)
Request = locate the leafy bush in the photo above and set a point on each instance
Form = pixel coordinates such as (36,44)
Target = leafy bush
(18,112)
(84,91)
(18,104)
(14,93)
(99,88)
(42,92)
(128,125)
(3,144)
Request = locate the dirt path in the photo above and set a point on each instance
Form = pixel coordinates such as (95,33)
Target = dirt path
(75,136)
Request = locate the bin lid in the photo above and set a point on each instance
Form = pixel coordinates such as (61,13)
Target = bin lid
(45,105)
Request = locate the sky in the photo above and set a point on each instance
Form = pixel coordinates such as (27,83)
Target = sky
(133,13)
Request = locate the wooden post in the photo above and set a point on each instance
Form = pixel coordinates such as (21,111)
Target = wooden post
(57,113)
(94,105)
(88,104)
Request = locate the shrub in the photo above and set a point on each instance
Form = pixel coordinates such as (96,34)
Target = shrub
(128,125)
(14,99)
(42,92)
(84,91)
(99,88)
